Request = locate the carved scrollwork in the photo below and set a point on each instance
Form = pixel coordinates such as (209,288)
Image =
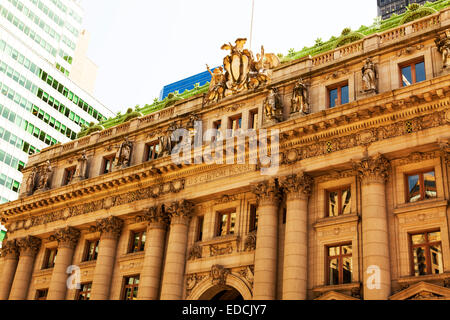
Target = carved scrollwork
(9,249)
(29,245)
(298,185)
(267,191)
(66,237)
(180,211)
(110,227)
(372,169)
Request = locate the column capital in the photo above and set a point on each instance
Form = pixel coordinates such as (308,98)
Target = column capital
(156,217)
(444,145)
(180,211)
(373,169)
(110,227)
(67,237)
(267,192)
(297,186)
(29,245)
(10,250)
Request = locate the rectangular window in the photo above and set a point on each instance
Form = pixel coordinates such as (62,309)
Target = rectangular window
(339,263)
(217,125)
(199,236)
(152,151)
(91,252)
(41,294)
(338,95)
(107,164)
(339,201)
(130,288)
(68,175)
(235,123)
(421,186)
(226,222)
(426,253)
(84,293)
(50,258)
(412,72)
(253,218)
(253,119)
(137,241)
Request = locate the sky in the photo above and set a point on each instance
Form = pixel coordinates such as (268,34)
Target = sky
(142,45)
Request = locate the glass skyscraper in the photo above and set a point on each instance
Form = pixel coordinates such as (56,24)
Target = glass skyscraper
(39,103)
(387,7)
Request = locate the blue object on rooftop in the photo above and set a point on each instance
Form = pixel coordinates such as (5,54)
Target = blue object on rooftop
(186,84)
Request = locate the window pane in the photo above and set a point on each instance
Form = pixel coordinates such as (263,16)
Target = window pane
(333,204)
(406,76)
(333,98)
(420,72)
(420,265)
(347,270)
(223,225)
(346,201)
(344,95)
(413,188)
(233,222)
(429,180)
(333,251)
(334,272)
(436,259)
(418,239)
(346,249)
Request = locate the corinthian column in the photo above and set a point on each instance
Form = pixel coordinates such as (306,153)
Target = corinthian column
(28,248)
(10,256)
(373,172)
(266,241)
(173,279)
(295,273)
(67,241)
(154,250)
(110,229)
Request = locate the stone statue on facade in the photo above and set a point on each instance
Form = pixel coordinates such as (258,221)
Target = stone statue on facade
(258,74)
(31,181)
(165,141)
(44,176)
(443,46)
(300,98)
(217,86)
(123,155)
(81,169)
(369,76)
(272,106)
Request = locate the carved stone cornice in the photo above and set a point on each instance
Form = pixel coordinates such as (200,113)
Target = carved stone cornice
(9,250)
(267,192)
(373,169)
(297,186)
(29,245)
(180,212)
(66,237)
(110,227)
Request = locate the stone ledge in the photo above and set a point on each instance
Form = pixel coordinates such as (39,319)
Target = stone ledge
(431,277)
(339,287)
(332,221)
(422,205)
(131,256)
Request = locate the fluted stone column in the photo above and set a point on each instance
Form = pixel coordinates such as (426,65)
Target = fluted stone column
(373,172)
(28,248)
(266,253)
(149,283)
(110,229)
(10,256)
(295,267)
(67,241)
(173,279)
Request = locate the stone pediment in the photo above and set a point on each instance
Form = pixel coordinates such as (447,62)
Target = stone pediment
(333,295)
(423,291)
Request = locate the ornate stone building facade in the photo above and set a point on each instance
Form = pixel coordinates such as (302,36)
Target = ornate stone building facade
(358,207)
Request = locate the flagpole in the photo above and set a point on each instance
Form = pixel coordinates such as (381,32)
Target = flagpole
(251,24)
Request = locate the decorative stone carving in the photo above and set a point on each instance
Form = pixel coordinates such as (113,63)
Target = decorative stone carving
(66,237)
(299,99)
(81,169)
(110,227)
(217,86)
(443,45)
(250,242)
(29,245)
(226,199)
(219,274)
(298,185)
(356,293)
(191,281)
(156,216)
(267,191)
(31,181)
(445,150)
(372,169)
(165,141)
(195,252)
(273,110)
(247,274)
(44,176)
(220,250)
(369,77)
(180,211)
(9,249)
(123,155)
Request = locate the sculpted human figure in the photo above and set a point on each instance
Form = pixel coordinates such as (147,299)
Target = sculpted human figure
(300,98)
(369,76)
(443,45)
(271,105)
(217,85)
(46,171)
(123,155)
(31,181)
(80,171)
